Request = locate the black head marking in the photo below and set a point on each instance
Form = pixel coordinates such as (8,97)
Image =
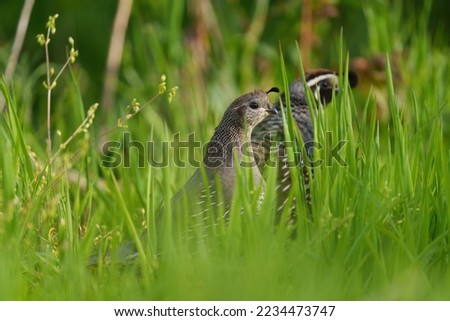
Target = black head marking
(273,90)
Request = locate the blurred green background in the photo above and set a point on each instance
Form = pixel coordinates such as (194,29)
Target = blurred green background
(381,225)
(231,44)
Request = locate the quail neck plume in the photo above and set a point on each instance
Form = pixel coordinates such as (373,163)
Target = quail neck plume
(323,84)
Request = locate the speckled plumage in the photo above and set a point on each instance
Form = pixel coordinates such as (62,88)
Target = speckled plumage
(232,133)
(211,188)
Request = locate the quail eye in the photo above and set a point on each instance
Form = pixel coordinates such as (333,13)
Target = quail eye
(325,84)
(253,105)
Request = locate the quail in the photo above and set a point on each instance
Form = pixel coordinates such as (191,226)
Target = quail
(322,83)
(212,186)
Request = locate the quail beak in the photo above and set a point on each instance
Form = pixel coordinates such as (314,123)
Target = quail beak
(272,111)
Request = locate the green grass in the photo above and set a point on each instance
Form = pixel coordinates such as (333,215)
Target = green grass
(379,228)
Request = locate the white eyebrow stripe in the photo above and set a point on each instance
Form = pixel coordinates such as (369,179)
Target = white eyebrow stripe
(318,79)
